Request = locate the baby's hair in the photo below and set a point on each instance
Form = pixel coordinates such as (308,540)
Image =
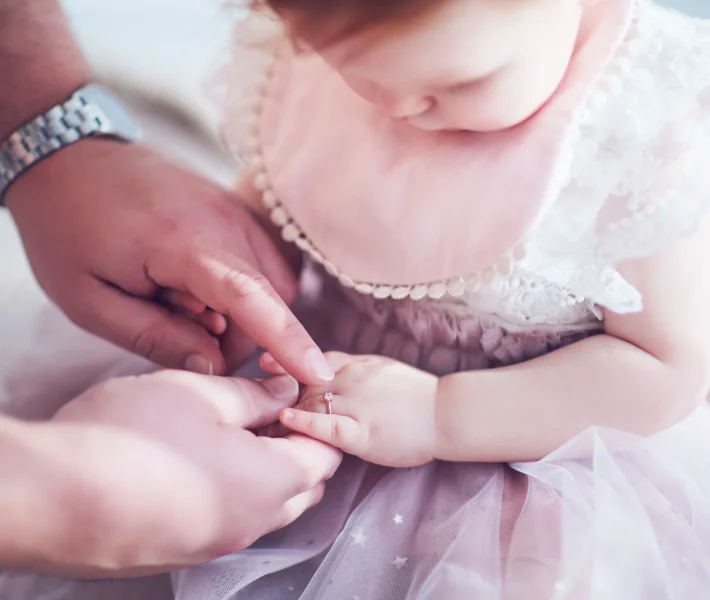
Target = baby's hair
(322,22)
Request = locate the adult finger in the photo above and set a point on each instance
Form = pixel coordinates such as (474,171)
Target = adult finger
(212,321)
(238,402)
(255,245)
(271,263)
(336,360)
(236,346)
(268,364)
(183,300)
(301,463)
(260,401)
(297,505)
(145,328)
(193,309)
(232,287)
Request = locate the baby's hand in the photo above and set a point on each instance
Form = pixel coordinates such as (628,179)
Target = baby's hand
(380,410)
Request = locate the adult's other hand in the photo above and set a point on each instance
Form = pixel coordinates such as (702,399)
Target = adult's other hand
(151,473)
(113,230)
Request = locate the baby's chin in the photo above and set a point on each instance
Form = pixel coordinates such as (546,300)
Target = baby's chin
(438,128)
(481,125)
(433,126)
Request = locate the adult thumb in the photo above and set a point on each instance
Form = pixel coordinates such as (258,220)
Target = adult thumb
(148,329)
(259,401)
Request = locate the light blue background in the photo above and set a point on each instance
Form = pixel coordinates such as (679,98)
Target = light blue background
(700,8)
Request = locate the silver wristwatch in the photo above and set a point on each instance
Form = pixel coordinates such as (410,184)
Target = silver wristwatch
(91,111)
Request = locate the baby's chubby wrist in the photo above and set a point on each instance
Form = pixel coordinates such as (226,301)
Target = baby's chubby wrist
(447,410)
(439,403)
(440,410)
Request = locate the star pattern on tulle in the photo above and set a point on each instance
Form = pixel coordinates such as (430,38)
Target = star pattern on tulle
(400,562)
(398,519)
(359,537)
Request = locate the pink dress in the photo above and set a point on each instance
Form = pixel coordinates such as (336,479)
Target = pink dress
(465,251)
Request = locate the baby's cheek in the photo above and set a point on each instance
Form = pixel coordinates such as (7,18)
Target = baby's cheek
(366,90)
(483,111)
(500,102)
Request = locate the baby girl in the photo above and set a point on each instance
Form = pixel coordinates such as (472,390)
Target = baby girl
(500,205)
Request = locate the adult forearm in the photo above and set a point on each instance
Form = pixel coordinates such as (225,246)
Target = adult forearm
(40,63)
(526,411)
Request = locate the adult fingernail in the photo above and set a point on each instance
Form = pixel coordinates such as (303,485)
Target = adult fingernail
(318,365)
(283,387)
(199,364)
(288,415)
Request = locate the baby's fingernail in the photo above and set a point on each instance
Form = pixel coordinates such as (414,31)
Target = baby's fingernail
(199,364)
(318,365)
(283,387)
(288,415)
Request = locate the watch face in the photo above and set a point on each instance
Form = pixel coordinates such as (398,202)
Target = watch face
(121,123)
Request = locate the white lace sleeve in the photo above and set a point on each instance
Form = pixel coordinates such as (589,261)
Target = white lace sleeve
(236,84)
(639,177)
(669,199)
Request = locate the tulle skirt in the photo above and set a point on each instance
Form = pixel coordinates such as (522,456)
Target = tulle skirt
(608,516)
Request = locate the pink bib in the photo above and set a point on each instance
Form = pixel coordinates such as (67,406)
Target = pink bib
(383,204)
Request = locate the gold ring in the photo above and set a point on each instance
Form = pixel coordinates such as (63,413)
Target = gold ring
(328,397)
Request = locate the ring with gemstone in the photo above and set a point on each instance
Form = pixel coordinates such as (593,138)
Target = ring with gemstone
(328,397)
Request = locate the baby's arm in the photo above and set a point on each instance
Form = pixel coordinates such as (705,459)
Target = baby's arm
(648,371)
(644,374)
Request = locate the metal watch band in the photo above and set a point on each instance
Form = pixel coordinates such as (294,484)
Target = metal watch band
(59,127)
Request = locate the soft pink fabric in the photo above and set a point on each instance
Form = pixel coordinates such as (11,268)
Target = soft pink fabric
(374,194)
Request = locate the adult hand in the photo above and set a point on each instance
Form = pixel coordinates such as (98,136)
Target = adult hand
(114,230)
(169,475)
